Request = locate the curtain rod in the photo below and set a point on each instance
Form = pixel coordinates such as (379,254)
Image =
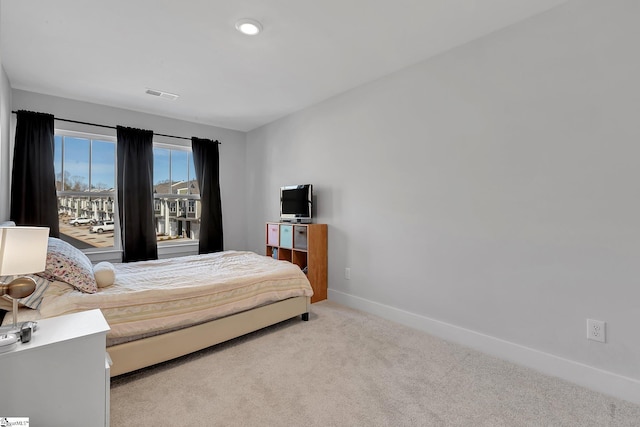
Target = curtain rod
(114,127)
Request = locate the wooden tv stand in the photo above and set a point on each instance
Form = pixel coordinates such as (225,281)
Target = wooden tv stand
(304,245)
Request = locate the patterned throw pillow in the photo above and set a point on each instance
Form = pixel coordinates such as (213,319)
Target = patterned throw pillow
(68,264)
(32,301)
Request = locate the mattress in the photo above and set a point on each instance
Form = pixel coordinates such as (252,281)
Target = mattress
(152,297)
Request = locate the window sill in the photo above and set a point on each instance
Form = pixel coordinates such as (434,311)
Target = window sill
(165,250)
(110,255)
(174,249)
(177,243)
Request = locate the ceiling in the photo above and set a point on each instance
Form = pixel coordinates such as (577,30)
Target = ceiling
(111,52)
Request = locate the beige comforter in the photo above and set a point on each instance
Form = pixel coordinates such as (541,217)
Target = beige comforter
(149,297)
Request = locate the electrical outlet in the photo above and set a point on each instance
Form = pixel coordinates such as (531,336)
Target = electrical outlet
(347,273)
(596,330)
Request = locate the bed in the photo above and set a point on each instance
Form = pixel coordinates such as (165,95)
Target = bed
(162,309)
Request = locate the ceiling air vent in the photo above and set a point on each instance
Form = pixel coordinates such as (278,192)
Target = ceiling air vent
(161,94)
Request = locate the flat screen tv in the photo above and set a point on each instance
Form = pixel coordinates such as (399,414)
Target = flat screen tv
(296,202)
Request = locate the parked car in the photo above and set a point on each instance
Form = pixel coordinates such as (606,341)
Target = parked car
(80,221)
(101,228)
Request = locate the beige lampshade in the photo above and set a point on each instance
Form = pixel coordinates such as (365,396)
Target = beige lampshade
(23,250)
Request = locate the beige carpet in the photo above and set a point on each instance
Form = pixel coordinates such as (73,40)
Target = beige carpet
(348,368)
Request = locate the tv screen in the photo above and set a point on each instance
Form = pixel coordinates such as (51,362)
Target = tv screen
(296,202)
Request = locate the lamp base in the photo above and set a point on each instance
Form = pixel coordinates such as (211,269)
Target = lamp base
(20,287)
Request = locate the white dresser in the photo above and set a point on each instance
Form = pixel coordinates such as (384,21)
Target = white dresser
(61,377)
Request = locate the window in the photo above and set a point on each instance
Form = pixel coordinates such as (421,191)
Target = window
(85,182)
(85,168)
(176,195)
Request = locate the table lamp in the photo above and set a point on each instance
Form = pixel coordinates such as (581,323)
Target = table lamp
(23,250)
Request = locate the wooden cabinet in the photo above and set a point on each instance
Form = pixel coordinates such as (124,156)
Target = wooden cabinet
(304,245)
(60,377)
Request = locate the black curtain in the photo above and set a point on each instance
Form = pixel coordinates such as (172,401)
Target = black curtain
(206,158)
(135,194)
(33,182)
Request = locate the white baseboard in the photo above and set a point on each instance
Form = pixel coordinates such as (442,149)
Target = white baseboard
(575,372)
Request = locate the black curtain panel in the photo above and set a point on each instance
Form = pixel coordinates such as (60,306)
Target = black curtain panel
(206,158)
(135,194)
(33,182)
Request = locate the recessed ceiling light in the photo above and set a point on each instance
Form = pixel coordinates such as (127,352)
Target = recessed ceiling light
(250,27)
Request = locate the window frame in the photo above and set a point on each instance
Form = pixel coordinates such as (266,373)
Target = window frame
(175,199)
(163,246)
(113,194)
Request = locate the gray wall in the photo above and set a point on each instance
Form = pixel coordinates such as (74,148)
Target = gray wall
(5,165)
(489,195)
(232,150)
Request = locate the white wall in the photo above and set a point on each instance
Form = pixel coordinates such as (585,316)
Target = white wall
(489,195)
(232,149)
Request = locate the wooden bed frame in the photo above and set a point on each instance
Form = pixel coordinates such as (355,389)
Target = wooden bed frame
(145,352)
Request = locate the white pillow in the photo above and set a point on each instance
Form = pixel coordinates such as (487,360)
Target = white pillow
(105,274)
